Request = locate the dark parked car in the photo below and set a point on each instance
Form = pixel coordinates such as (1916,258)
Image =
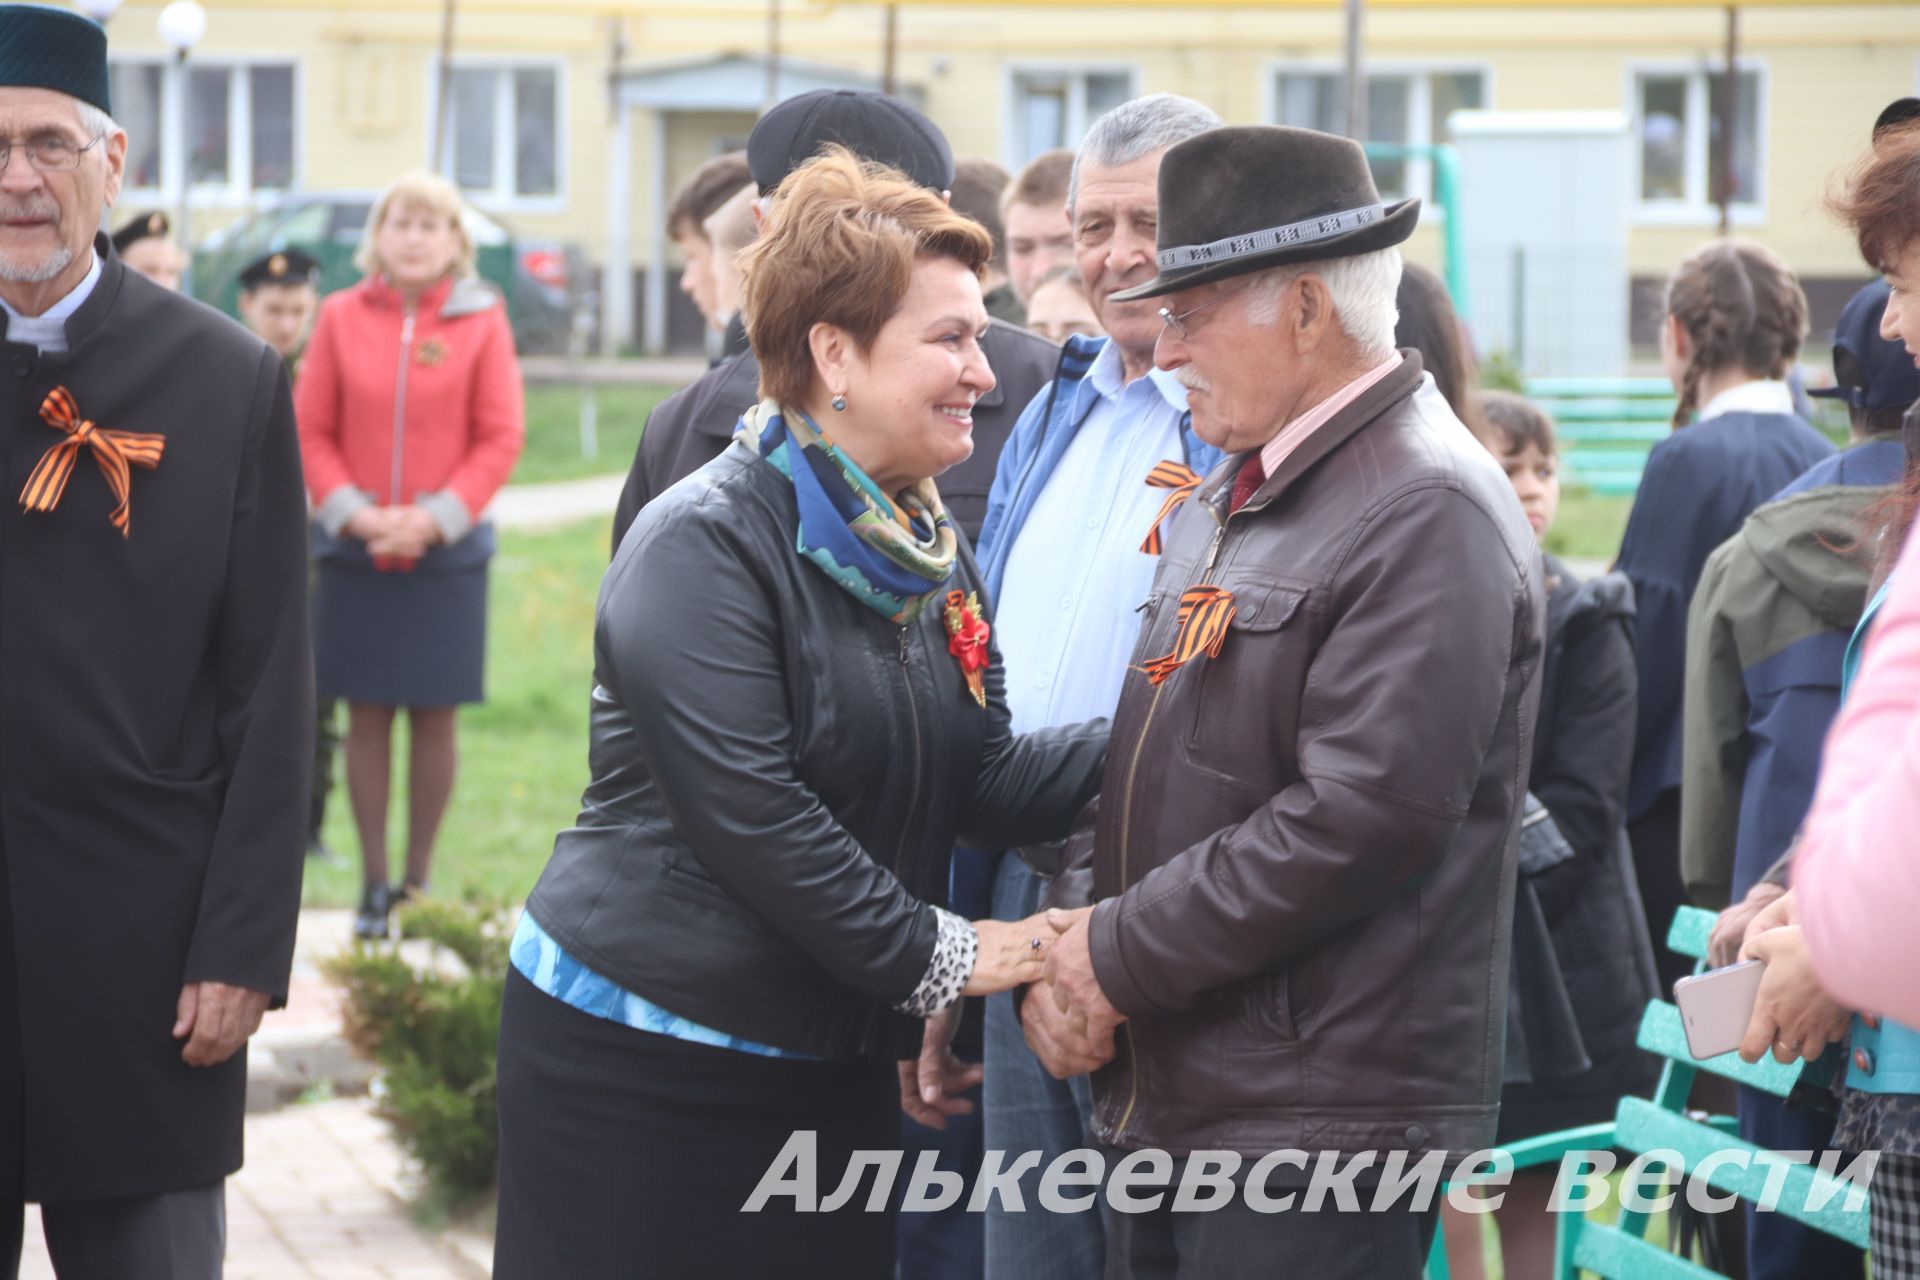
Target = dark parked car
(544,281)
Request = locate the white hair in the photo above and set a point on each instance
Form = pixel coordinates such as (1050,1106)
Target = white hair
(1363,289)
(1136,128)
(96,122)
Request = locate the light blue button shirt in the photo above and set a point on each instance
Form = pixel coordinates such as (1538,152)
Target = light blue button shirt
(1067,616)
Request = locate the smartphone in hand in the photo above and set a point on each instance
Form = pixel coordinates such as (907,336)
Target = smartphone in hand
(1716,1006)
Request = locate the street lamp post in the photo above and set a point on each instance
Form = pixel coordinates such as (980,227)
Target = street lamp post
(181,24)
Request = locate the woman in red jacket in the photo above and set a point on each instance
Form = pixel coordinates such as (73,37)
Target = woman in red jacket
(410,413)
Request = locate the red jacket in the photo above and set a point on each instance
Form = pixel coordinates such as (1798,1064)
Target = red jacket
(410,405)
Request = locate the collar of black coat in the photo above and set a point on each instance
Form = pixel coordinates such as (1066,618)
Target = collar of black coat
(736,382)
(113,274)
(1396,386)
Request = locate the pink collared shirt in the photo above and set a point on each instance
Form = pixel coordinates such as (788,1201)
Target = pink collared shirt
(1295,433)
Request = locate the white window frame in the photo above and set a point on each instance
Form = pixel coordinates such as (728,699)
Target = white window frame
(1419,104)
(1078,118)
(502,197)
(1696,208)
(238,190)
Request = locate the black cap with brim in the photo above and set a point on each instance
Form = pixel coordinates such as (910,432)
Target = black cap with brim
(153,224)
(1871,372)
(284,266)
(46,48)
(1243,199)
(871,125)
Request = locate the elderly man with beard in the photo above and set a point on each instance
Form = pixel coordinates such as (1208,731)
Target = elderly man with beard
(156,701)
(1099,460)
(1303,859)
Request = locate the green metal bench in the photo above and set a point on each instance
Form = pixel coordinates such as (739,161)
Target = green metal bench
(1607,426)
(1620,1250)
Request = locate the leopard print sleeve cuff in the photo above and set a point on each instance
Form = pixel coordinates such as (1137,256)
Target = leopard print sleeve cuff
(954,952)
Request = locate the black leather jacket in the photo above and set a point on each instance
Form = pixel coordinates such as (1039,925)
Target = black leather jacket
(779,777)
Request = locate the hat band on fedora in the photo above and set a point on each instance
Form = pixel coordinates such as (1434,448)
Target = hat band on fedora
(1271,238)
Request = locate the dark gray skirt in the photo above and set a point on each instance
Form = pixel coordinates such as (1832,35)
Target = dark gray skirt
(413,638)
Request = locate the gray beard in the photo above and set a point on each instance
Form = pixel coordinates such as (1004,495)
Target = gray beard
(38,272)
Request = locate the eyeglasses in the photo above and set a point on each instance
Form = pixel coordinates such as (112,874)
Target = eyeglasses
(49,153)
(1178,323)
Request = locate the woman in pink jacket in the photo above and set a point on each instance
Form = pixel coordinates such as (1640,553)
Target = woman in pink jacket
(411,418)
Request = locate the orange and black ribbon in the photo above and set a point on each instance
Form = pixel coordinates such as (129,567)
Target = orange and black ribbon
(1205,615)
(115,451)
(1177,477)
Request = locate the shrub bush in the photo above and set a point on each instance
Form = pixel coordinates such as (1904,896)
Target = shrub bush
(431,1018)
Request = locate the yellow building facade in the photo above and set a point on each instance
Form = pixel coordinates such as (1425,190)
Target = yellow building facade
(573,119)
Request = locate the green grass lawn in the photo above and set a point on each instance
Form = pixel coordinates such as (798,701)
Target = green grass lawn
(523,753)
(1589,525)
(553,431)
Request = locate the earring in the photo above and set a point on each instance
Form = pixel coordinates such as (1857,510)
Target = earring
(839,404)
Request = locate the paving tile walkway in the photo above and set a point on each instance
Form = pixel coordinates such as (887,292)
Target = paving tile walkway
(315,1202)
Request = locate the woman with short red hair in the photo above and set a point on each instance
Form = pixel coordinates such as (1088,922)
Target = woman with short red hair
(797,711)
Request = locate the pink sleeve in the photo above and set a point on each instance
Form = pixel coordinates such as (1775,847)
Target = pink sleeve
(1857,873)
(499,419)
(316,408)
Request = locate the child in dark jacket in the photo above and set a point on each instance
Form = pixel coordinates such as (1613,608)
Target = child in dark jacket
(1582,960)
(1735,319)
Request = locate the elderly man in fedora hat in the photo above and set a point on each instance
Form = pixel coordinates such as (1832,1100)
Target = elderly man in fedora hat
(156,694)
(1302,863)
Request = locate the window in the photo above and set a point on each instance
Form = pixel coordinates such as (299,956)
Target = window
(240,126)
(1677,116)
(1404,108)
(503,132)
(1055,108)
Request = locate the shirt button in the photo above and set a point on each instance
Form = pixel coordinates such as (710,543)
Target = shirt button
(1863,1060)
(1093,522)
(22,367)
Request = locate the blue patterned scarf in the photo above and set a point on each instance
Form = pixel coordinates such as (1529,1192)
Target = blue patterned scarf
(892,555)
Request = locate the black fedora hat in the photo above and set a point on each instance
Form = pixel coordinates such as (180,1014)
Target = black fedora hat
(1249,197)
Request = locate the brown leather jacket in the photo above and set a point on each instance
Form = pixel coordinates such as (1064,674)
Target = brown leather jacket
(1304,848)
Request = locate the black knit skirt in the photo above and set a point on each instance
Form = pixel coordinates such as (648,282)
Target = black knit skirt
(409,638)
(627,1155)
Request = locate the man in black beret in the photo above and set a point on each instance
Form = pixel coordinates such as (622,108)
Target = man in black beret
(155,701)
(1284,941)
(278,301)
(145,243)
(690,428)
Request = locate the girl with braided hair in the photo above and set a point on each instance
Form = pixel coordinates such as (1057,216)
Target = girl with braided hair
(1735,319)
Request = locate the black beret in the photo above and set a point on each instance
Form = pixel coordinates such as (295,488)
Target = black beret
(871,125)
(139,227)
(283,266)
(46,48)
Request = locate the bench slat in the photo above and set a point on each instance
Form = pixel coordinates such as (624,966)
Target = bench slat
(1662,1033)
(1641,1126)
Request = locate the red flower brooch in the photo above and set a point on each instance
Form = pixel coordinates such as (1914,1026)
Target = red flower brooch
(967,634)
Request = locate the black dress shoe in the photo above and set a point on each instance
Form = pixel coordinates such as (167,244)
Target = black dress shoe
(370,922)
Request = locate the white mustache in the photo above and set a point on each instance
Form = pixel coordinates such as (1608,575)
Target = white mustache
(1189,377)
(44,208)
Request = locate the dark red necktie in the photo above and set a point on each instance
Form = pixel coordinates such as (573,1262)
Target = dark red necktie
(1247,483)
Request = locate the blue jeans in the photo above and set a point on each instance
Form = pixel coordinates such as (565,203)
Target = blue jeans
(1028,1110)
